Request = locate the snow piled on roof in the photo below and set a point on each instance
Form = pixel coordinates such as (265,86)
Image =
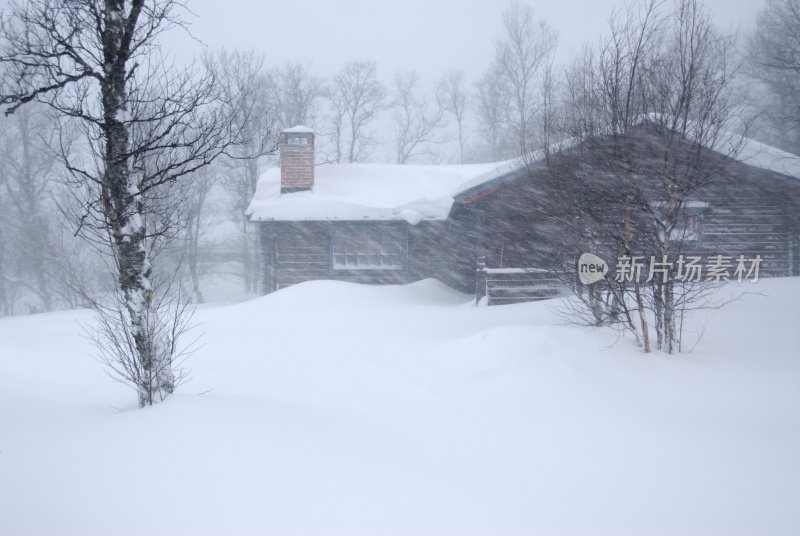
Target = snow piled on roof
(412,193)
(770,158)
(742,149)
(354,192)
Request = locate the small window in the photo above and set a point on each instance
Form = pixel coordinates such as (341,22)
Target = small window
(366,247)
(688,228)
(297,140)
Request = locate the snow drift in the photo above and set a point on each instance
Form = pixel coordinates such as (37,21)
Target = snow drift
(332,408)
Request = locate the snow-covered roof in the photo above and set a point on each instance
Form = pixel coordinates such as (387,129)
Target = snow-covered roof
(743,149)
(766,157)
(354,192)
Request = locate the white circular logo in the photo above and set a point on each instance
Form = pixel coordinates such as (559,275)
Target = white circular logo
(591,268)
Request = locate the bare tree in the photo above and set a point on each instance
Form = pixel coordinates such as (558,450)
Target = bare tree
(453,91)
(294,95)
(774,54)
(493,113)
(416,118)
(6,293)
(245,83)
(644,112)
(688,93)
(356,96)
(30,215)
(522,60)
(95,63)
(201,185)
(6,245)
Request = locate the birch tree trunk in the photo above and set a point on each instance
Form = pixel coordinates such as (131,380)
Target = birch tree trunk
(125,207)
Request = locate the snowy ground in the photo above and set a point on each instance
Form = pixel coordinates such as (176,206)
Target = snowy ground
(330,408)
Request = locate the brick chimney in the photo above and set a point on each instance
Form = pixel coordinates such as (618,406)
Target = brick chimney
(297,159)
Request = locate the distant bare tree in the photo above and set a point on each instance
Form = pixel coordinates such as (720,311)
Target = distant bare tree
(522,60)
(246,86)
(774,54)
(294,95)
(493,114)
(416,117)
(454,94)
(29,214)
(356,97)
(6,286)
(197,192)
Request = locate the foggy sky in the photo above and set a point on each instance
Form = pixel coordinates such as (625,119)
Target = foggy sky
(432,36)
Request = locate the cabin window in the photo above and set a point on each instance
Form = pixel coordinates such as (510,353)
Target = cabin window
(368,247)
(687,229)
(689,225)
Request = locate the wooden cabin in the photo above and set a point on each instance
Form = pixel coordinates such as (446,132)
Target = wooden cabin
(390,224)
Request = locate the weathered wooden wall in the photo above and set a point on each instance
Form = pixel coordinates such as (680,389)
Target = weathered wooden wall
(748,212)
(294,252)
(752,213)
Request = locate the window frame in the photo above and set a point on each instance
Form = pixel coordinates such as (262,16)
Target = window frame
(691,212)
(358,227)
